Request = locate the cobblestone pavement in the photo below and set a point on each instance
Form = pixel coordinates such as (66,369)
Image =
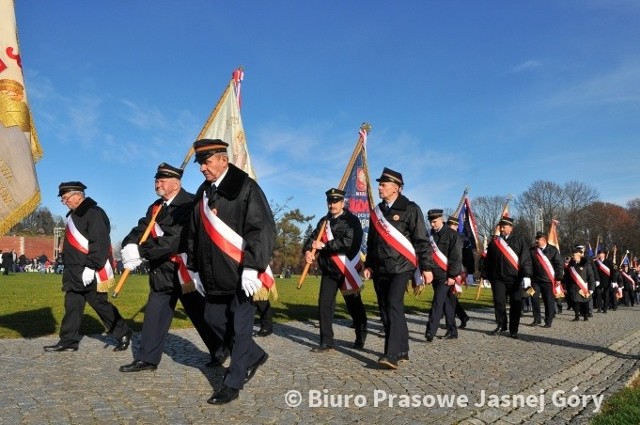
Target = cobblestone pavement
(539,377)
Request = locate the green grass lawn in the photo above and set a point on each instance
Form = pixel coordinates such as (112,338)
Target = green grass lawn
(32,304)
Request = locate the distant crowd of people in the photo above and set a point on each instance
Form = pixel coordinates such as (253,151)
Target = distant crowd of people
(14,263)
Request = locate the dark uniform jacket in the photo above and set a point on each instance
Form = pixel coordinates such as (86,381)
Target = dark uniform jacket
(498,268)
(347,239)
(539,273)
(174,222)
(240,204)
(450,244)
(92,222)
(605,280)
(623,282)
(585,270)
(406,216)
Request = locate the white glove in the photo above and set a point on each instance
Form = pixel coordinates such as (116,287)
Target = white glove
(526,281)
(597,283)
(88,275)
(250,282)
(131,264)
(129,252)
(614,285)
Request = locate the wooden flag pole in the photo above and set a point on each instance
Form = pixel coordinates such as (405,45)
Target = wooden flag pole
(359,147)
(187,157)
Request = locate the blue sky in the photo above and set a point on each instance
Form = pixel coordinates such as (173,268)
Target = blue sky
(488,94)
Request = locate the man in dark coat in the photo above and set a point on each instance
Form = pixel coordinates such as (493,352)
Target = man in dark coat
(398,250)
(468,269)
(339,252)
(231,239)
(580,281)
(447,257)
(169,279)
(548,268)
(508,267)
(86,254)
(605,274)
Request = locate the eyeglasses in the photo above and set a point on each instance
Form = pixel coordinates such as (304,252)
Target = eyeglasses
(65,198)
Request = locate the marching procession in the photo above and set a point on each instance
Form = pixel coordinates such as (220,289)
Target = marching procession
(212,251)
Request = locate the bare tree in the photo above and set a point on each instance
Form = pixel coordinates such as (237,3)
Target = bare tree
(542,200)
(577,197)
(487,210)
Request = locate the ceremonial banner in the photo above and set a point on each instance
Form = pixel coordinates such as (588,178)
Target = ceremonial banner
(357,196)
(553,234)
(467,224)
(19,147)
(227,126)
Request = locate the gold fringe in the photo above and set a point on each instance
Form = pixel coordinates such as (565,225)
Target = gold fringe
(19,213)
(106,285)
(265,294)
(188,287)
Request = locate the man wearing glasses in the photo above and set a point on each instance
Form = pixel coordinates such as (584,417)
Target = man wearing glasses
(86,255)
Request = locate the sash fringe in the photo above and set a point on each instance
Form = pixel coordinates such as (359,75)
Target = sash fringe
(106,285)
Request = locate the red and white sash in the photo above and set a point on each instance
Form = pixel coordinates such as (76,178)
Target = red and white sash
(584,288)
(603,267)
(348,267)
(546,265)
(629,278)
(185,276)
(227,240)
(396,240)
(79,242)
(508,252)
(438,257)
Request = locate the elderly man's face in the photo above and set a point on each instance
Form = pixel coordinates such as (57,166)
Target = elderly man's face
(166,188)
(506,229)
(388,190)
(213,167)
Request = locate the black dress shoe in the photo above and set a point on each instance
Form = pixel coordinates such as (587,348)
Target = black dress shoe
(449,335)
(60,347)
(389,361)
(535,323)
(323,349)
(137,366)
(224,395)
(403,357)
(428,336)
(514,335)
(123,342)
(254,367)
(497,331)
(217,362)
(463,323)
(547,325)
(264,332)
(576,319)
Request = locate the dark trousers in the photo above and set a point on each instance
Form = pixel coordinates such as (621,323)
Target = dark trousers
(457,307)
(544,289)
(441,305)
(158,315)
(391,289)
(613,299)
(74,303)
(581,309)
(236,313)
(265,313)
(514,291)
(327,307)
(603,297)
